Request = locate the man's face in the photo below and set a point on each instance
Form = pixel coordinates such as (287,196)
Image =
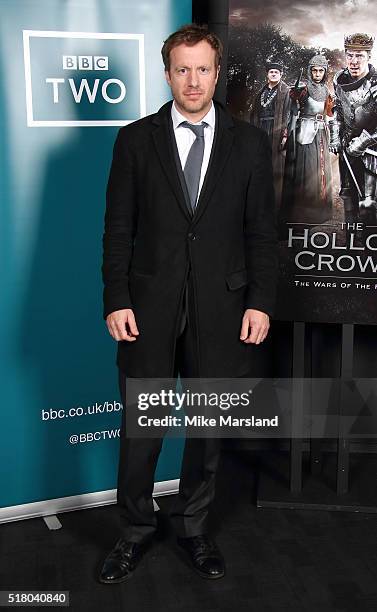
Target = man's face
(318,72)
(274,76)
(192,78)
(357,63)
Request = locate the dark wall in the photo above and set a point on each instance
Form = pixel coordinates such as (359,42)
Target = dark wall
(200,11)
(215,13)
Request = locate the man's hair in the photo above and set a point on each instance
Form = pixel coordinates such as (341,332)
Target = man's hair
(190,35)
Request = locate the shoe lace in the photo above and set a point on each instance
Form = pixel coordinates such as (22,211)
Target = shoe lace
(203,544)
(125,548)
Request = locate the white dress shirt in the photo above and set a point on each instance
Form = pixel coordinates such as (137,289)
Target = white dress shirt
(185,137)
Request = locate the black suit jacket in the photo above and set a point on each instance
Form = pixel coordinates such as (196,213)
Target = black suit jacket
(151,241)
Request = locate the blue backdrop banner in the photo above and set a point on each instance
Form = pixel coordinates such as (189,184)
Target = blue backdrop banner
(71,74)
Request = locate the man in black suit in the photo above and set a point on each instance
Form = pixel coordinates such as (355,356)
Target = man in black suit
(189,272)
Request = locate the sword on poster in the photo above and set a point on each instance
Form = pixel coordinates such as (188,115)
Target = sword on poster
(352,174)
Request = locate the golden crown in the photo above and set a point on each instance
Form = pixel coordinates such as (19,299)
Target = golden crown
(359,42)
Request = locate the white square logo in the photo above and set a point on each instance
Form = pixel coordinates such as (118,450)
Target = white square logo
(83,79)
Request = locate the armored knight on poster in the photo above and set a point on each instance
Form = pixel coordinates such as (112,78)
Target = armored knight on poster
(307,192)
(354,130)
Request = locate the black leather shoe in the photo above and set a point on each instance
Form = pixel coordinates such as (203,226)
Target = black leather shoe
(121,562)
(204,555)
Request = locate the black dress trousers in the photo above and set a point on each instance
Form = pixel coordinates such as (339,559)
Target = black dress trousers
(138,459)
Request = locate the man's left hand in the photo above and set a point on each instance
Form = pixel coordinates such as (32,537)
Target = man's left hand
(255,326)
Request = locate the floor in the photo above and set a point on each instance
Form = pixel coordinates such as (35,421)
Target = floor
(276,560)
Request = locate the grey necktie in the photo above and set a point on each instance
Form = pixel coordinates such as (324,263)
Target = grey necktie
(194,161)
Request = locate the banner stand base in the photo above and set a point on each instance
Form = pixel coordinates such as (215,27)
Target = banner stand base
(53,507)
(52,522)
(319,490)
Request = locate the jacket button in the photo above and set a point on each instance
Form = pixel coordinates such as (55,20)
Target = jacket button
(192,236)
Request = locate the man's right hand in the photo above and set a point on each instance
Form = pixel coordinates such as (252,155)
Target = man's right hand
(122,325)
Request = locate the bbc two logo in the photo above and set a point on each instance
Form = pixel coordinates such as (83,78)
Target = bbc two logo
(87,63)
(67,88)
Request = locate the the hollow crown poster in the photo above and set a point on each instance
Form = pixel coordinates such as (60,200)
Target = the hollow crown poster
(304,71)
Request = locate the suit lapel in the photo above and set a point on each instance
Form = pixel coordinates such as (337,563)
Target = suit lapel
(221,148)
(164,149)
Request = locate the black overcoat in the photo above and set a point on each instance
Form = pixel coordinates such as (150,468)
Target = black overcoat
(152,243)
